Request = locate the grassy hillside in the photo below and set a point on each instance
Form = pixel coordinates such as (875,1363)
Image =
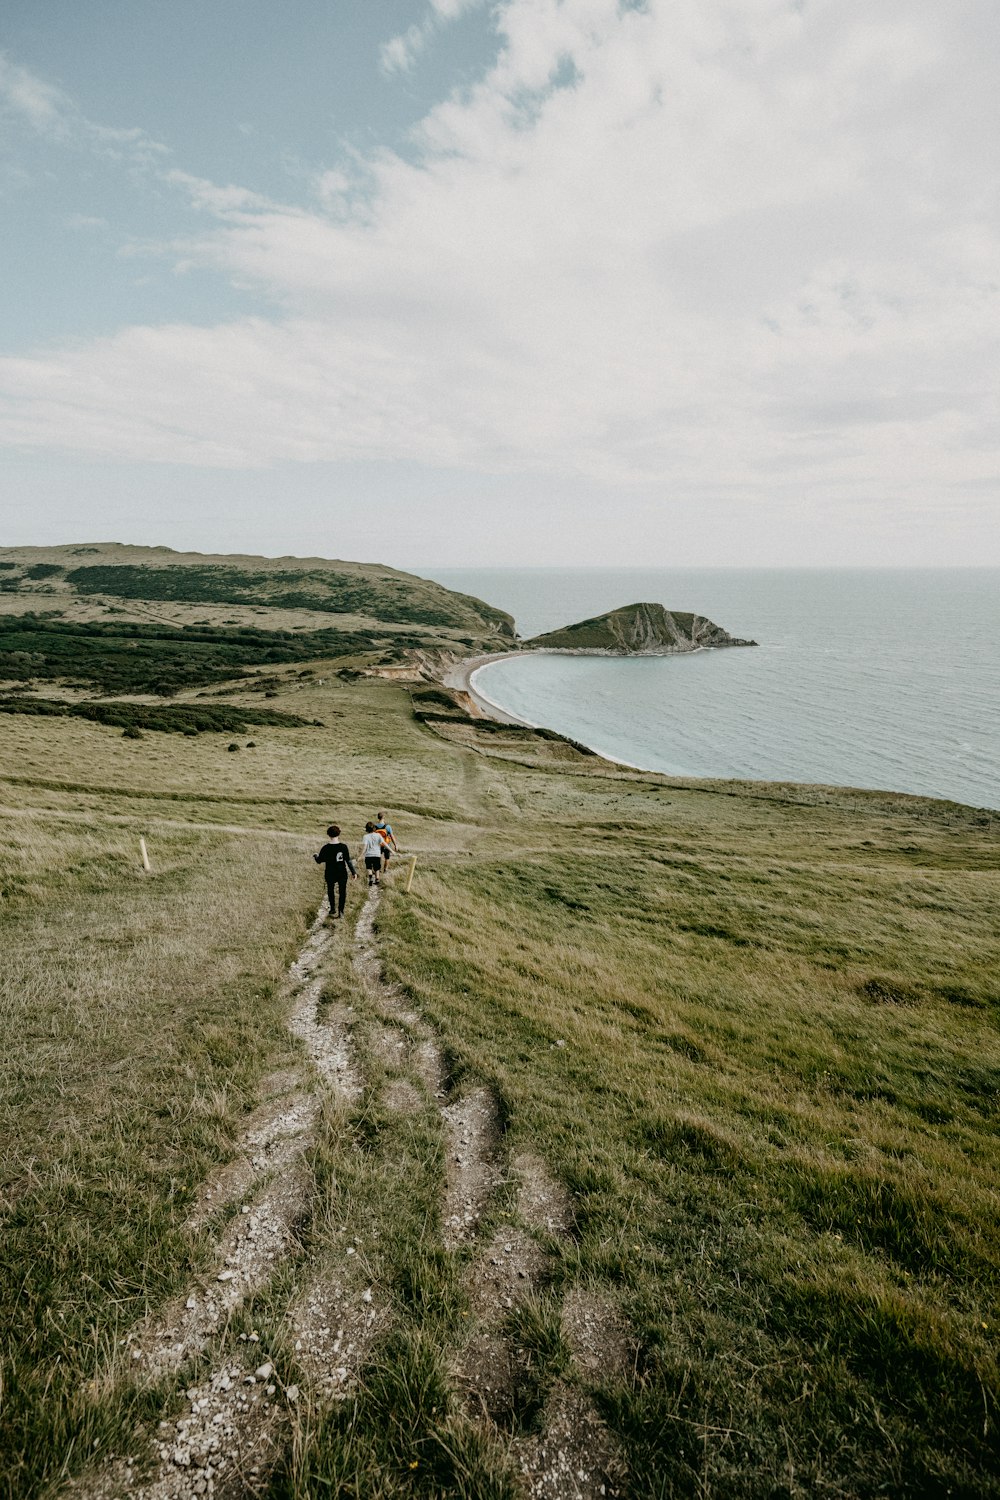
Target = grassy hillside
(78,604)
(752,1030)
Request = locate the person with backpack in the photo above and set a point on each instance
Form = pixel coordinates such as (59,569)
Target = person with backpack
(390,846)
(337,858)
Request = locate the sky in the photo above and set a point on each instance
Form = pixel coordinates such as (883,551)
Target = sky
(503,282)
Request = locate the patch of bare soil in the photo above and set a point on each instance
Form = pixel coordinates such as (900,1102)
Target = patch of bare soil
(334,1323)
(275,1137)
(261,1234)
(474,1170)
(506,1274)
(542,1203)
(402,1096)
(602,1342)
(489,1370)
(488,1374)
(224,1444)
(327,1041)
(574,1456)
(429,1064)
(389,1046)
(367,964)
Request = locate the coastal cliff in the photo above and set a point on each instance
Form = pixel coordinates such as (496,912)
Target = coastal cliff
(636,630)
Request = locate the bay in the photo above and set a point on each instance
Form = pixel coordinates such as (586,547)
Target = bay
(882,678)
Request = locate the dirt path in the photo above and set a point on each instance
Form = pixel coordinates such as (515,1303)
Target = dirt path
(239,1415)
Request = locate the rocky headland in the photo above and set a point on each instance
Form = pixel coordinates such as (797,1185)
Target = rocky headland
(636,630)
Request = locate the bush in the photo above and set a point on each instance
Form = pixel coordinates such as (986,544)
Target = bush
(439,696)
(174,718)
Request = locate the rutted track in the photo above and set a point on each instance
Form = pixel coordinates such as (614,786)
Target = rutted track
(569,1454)
(238,1414)
(228,1436)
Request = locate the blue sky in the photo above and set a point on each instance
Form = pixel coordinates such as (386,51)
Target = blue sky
(448,281)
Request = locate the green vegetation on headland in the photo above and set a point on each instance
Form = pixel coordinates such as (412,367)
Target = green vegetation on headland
(315,585)
(138,626)
(390,599)
(127,657)
(636,630)
(751,1029)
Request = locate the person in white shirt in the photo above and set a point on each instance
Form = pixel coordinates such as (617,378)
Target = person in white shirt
(371,846)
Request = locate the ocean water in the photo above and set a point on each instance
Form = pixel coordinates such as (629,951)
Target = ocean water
(868,678)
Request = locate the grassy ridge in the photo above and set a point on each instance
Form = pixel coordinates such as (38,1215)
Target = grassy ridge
(387,598)
(142,575)
(147,620)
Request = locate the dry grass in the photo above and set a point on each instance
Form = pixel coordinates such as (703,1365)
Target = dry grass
(137,1016)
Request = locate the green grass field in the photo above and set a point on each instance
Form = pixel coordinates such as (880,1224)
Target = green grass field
(752,1030)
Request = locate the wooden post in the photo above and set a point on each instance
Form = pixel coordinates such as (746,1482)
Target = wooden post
(409,878)
(145,857)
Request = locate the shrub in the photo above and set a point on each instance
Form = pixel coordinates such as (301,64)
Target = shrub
(174,718)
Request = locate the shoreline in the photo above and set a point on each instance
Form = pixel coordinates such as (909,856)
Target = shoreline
(462,678)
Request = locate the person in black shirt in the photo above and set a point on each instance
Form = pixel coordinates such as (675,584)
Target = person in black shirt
(337,858)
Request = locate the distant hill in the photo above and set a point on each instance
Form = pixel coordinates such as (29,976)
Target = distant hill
(310,584)
(637,630)
(125,619)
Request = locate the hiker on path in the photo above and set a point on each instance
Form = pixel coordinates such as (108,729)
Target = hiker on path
(390,846)
(373,845)
(337,858)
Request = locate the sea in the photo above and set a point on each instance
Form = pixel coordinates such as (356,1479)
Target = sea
(885,679)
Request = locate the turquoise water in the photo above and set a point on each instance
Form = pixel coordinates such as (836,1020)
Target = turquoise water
(871,678)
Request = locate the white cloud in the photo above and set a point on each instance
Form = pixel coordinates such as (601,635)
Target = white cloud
(50,112)
(716,246)
(400,53)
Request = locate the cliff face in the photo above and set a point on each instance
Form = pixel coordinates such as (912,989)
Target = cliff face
(637,630)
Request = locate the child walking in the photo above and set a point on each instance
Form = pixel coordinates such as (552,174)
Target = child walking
(337,858)
(373,843)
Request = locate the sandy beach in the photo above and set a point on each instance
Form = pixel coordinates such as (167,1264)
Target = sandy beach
(459,678)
